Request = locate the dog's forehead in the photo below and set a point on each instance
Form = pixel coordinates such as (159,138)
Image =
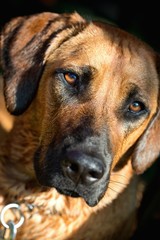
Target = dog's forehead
(102,44)
(107,49)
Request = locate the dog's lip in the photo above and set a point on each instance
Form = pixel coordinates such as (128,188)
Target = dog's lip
(68,192)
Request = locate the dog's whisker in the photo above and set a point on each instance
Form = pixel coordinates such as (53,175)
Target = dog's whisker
(118,174)
(117,182)
(113,189)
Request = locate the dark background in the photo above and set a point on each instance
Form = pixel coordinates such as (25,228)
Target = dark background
(138,17)
(141,19)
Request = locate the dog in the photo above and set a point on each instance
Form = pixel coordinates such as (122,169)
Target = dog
(85,101)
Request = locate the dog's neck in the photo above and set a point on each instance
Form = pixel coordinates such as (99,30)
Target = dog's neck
(17,152)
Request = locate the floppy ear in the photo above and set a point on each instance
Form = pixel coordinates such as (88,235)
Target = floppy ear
(148,147)
(24,41)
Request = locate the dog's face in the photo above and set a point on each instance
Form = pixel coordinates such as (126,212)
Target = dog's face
(98,92)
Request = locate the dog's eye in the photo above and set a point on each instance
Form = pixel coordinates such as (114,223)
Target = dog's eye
(70,78)
(136,107)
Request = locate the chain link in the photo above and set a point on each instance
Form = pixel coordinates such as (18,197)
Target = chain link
(10,227)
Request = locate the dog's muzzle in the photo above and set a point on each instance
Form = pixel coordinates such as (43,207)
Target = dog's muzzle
(75,171)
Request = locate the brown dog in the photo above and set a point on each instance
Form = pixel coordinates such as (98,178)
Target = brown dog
(86,96)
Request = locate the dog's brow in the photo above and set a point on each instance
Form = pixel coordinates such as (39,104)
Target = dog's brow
(83,69)
(134,90)
(88,70)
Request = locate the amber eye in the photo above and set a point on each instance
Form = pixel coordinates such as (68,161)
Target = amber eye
(70,78)
(136,107)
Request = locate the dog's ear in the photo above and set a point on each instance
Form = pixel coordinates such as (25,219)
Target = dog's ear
(148,147)
(24,41)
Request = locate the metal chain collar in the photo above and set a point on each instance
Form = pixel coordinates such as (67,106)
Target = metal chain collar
(10,227)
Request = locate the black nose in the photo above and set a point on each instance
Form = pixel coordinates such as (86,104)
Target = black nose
(82,168)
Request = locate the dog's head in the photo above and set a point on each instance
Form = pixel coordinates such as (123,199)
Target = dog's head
(97,94)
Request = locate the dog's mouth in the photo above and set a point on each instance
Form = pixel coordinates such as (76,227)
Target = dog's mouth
(68,193)
(92,202)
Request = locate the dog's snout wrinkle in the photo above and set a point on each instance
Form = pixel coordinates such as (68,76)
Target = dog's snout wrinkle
(82,168)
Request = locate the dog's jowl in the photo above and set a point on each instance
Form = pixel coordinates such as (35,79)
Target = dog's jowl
(86,107)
